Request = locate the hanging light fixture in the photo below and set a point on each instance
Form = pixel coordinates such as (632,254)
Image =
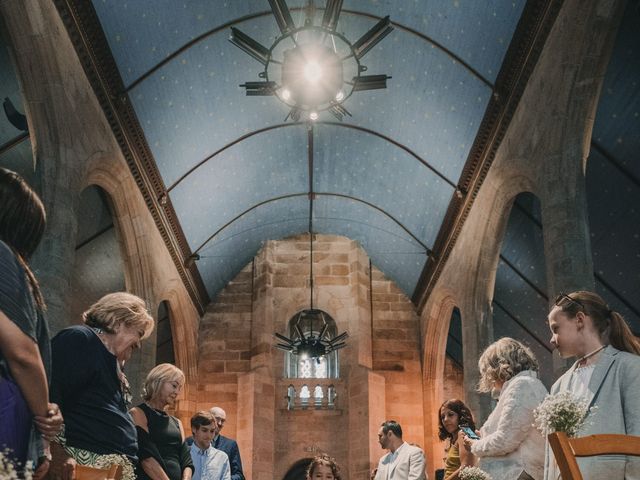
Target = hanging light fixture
(311,337)
(306,67)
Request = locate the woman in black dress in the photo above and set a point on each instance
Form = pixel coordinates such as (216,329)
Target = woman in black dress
(161,449)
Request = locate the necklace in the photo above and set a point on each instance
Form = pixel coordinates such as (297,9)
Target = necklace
(589,355)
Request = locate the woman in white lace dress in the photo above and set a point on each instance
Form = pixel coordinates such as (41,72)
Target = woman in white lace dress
(510,447)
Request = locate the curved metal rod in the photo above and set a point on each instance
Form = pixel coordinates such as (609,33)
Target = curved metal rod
(245,18)
(299,219)
(227,146)
(336,124)
(306,194)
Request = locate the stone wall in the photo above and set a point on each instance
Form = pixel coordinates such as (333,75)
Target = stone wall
(380,374)
(453,380)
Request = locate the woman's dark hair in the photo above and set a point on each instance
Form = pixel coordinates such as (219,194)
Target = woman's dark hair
(22,222)
(324,459)
(465,417)
(611,326)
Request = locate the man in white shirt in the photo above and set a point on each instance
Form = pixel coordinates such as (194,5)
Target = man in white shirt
(209,462)
(404,461)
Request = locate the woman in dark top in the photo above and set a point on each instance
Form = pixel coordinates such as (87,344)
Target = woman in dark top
(91,388)
(24,335)
(162,451)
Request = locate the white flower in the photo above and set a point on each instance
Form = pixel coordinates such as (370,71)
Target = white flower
(562,412)
(473,473)
(8,468)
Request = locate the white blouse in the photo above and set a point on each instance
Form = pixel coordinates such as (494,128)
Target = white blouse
(509,442)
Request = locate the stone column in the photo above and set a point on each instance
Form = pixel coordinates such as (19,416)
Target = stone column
(42,52)
(366,413)
(477,334)
(567,88)
(256,389)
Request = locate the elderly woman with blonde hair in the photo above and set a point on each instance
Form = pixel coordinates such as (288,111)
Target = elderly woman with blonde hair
(510,447)
(162,451)
(90,386)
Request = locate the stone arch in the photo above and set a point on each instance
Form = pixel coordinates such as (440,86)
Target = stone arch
(144,274)
(472,294)
(98,267)
(494,230)
(477,294)
(183,334)
(436,317)
(519,315)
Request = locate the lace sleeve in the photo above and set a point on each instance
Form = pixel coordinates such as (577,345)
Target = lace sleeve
(516,419)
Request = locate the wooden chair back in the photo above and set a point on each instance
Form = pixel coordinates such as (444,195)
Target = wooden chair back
(566,449)
(90,473)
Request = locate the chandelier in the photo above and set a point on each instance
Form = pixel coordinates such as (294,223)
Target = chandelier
(311,338)
(306,67)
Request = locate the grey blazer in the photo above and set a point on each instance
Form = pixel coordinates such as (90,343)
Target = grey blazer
(614,389)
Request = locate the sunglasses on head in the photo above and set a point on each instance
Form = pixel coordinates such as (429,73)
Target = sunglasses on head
(562,300)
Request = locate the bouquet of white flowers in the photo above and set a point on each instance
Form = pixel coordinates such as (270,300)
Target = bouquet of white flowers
(473,473)
(8,469)
(561,412)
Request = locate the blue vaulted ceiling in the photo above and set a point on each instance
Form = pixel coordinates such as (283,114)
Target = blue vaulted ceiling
(388,196)
(384,178)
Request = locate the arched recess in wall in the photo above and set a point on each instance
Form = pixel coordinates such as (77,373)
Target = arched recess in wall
(520,299)
(140,264)
(453,385)
(613,176)
(164,337)
(98,267)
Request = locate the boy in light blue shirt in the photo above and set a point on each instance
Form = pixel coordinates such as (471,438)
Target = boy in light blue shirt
(209,462)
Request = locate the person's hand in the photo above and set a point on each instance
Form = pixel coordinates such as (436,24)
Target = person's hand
(467,441)
(42,470)
(50,425)
(373,474)
(69,469)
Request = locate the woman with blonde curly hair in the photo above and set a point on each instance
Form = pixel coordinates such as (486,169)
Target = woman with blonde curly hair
(89,384)
(162,451)
(509,444)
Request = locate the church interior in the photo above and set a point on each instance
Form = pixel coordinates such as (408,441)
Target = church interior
(470,161)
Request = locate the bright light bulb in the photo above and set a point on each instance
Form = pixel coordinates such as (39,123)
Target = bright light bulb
(312,71)
(340,96)
(286,94)
(313,116)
